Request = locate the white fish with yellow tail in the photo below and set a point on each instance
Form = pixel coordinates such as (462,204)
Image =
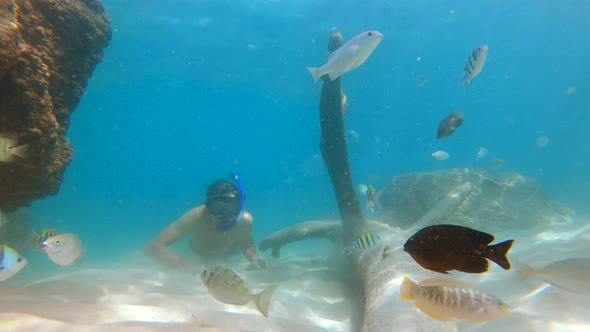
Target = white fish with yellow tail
(11,262)
(569,274)
(227,287)
(475,63)
(348,56)
(10,150)
(63,249)
(440,155)
(445,299)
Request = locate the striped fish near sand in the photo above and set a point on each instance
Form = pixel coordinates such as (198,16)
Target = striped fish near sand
(445,299)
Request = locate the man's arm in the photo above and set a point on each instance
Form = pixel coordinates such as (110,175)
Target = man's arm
(247,243)
(157,249)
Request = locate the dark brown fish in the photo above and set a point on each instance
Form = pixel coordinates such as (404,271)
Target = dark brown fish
(442,248)
(449,124)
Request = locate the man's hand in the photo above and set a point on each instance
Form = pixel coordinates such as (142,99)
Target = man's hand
(260,263)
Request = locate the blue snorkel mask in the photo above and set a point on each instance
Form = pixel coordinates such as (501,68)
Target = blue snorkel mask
(226,226)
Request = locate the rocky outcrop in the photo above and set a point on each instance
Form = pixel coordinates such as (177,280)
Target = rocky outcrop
(48,51)
(469,197)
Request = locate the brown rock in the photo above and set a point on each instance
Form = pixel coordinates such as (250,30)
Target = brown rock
(48,50)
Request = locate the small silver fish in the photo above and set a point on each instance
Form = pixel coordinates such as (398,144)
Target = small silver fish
(440,155)
(227,287)
(569,274)
(10,150)
(370,197)
(348,56)
(475,63)
(422,80)
(63,249)
(445,299)
(11,262)
(481,153)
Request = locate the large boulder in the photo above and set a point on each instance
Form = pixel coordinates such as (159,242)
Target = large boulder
(468,197)
(48,51)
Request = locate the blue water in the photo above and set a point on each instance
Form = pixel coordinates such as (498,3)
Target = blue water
(191,90)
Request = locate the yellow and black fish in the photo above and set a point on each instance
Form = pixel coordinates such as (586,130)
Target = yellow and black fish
(366,241)
(38,239)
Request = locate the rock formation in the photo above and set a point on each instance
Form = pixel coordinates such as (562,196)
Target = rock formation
(48,51)
(469,197)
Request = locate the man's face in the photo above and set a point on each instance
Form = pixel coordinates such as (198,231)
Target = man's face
(224,209)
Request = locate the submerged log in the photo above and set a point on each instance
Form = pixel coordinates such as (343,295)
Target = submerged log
(376,275)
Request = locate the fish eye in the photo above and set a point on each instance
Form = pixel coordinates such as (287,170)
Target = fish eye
(58,242)
(19,260)
(370,33)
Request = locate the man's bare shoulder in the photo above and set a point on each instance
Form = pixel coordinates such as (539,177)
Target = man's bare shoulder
(247,218)
(192,216)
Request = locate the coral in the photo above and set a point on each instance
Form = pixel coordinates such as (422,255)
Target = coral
(48,51)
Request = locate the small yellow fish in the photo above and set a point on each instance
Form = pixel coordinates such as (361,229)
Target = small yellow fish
(227,287)
(38,239)
(10,150)
(365,242)
(497,163)
(475,63)
(445,299)
(63,249)
(11,262)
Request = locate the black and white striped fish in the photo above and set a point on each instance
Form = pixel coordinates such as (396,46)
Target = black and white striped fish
(364,242)
(474,64)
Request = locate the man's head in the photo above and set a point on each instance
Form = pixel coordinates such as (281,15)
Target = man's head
(224,201)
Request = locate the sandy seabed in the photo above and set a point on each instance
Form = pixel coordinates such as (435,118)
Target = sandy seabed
(136,295)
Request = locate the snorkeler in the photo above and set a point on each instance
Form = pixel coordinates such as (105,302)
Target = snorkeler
(218,229)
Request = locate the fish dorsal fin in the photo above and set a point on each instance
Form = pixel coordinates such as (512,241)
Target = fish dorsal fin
(444,282)
(262,299)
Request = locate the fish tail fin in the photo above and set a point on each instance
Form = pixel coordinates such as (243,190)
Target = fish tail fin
(262,299)
(497,253)
(522,271)
(406,289)
(315,73)
(21,151)
(349,250)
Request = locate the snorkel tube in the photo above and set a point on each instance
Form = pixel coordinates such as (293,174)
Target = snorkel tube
(228,225)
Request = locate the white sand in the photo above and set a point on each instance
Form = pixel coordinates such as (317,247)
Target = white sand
(135,295)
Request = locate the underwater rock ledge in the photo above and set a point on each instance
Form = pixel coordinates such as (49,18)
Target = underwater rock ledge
(48,51)
(468,197)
